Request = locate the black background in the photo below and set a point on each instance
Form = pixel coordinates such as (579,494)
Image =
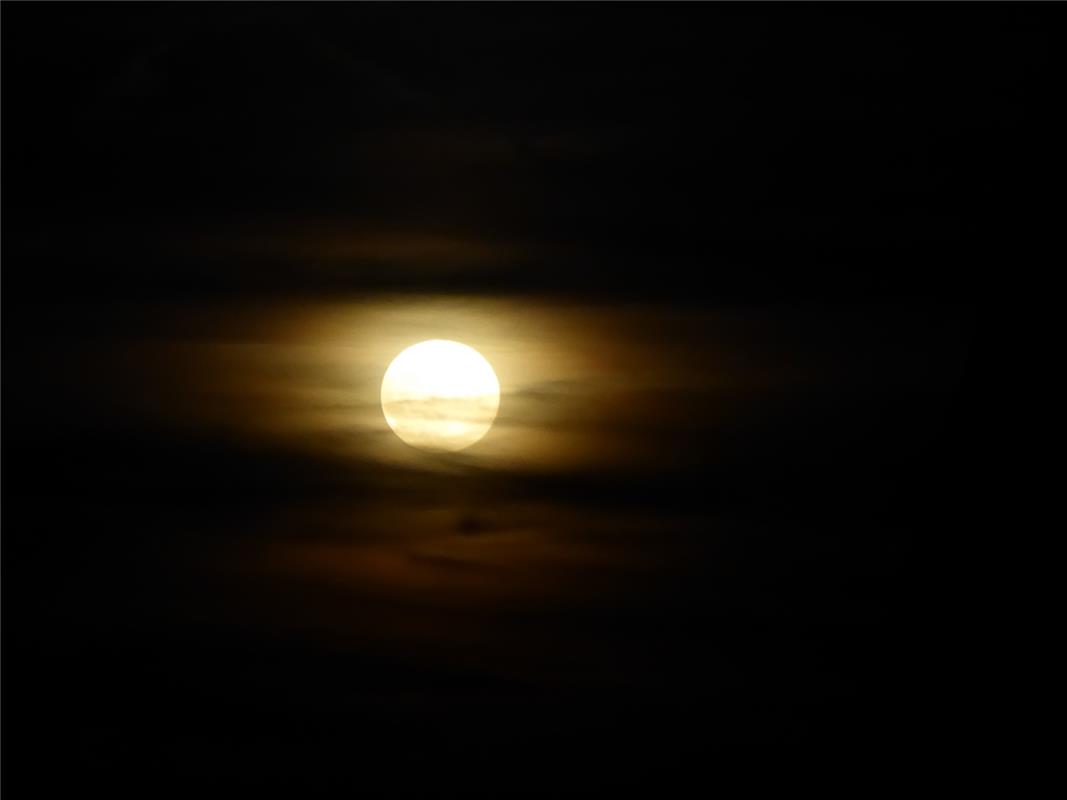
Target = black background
(774,157)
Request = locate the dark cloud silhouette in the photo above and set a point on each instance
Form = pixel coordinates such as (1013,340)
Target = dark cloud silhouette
(729,263)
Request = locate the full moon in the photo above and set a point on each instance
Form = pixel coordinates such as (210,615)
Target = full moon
(440,395)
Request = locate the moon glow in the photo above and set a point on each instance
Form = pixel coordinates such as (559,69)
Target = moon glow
(440,395)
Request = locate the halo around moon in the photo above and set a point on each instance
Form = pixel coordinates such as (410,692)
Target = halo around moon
(440,395)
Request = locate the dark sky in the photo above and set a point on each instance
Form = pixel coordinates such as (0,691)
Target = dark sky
(731,263)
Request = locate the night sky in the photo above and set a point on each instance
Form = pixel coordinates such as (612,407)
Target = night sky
(733,265)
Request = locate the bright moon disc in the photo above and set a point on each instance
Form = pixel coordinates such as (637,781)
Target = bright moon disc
(440,395)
